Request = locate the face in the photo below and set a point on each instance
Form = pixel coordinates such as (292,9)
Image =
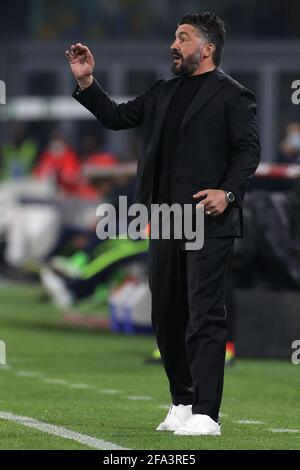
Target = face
(188,50)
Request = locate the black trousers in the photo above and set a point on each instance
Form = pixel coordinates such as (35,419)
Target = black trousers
(189,318)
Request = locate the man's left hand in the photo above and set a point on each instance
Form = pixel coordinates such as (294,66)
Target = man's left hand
(215,201)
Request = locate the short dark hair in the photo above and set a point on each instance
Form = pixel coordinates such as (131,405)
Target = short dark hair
(212,29)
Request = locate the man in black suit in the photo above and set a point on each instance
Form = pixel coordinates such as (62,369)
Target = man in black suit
(201,143)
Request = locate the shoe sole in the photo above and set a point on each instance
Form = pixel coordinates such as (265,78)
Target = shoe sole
(165,429)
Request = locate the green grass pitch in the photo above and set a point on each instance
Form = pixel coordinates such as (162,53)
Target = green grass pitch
(97,384)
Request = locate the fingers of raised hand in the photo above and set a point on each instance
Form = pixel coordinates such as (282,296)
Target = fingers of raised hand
(82,50)
(76,49)
(68,55)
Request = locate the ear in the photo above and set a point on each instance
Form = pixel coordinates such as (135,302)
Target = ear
(208,50)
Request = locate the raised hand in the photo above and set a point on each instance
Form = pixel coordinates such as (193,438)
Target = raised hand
(82,64)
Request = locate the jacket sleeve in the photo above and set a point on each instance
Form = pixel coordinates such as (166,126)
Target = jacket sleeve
(111,114)
(244,144)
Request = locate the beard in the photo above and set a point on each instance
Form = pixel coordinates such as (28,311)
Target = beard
(187,66)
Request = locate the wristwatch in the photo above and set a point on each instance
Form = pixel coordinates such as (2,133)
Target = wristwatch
(230,197)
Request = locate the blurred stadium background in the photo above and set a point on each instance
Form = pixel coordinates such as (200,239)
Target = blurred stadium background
(74,311)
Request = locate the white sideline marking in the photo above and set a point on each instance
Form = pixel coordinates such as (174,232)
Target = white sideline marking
(248,421)
(52,381)
(55,381)
(109,391)
(27,373)
(59,431)
(141,397)
(284,430)
(80,386)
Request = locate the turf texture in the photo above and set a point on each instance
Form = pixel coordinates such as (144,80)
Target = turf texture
(96,383)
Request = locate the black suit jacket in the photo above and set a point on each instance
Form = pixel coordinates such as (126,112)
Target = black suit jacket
(218,144)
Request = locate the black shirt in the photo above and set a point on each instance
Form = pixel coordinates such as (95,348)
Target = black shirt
(169,137)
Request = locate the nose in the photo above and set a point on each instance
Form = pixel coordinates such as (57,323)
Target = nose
(173,45)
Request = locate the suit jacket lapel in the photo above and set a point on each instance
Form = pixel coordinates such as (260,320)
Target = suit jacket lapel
(213,83)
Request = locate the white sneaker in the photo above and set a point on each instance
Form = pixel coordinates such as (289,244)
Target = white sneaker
(199,425)
(177,416)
